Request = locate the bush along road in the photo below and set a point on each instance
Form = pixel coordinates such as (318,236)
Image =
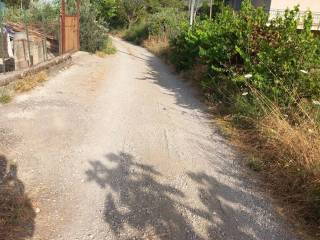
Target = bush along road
(120,148)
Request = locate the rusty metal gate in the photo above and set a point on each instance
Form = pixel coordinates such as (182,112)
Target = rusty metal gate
(70,30)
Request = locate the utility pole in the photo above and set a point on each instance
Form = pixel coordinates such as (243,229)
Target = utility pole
(211,7)
(192,11)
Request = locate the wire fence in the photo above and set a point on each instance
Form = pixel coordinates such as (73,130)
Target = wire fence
(28,37)
(274,13)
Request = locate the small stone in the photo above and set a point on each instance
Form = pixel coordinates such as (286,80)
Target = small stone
(37,210)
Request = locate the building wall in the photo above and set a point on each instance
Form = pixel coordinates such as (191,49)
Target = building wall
(313,5)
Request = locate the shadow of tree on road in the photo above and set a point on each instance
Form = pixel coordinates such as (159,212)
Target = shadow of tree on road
(16,211)
(139,205)
(139,200)
(241,215)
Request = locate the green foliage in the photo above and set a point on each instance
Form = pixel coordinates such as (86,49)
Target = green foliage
(131,10)
(107,48)
(92,32)
(137,33)
(154,6)
(125,13)
(107,9)
(246,49)
(17,3)
(4,97)
(165,23)
(160,25)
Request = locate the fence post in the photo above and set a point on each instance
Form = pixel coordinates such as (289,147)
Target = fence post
(44,41)
(28,39)
(78,19)
(2,44)
(62,27)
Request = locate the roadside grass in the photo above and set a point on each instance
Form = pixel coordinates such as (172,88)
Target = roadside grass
(284,148)
(29,82)
(292,156)
(108,49)
(5,97)
(158,46)
(16,213)
(16,210)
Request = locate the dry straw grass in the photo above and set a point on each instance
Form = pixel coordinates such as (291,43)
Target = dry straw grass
(16,214)
(16,210)
(288,147)
(157,46)
(292,157)
(30,82)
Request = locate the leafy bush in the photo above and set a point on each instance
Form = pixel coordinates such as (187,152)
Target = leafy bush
(107,49)
(137,33)
(165,23)
(160,25)
(266,73)
(246,49)
(92,32)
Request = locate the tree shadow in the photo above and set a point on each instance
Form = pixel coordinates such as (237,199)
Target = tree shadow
(242,215)
(139,200)
(16,212)
(163,75)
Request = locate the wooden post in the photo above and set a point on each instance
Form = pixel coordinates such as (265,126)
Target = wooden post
(3,40)
(62,27)
(78,27)
(28,39)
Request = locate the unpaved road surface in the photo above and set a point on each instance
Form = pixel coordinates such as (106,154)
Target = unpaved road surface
(120,148)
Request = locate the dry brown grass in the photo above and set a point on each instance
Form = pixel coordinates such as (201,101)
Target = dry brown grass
(30,82)
(16,214)
(16,211)
(285,150)
(157,46)
(292,158)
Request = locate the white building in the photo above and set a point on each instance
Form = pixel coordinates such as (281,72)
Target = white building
(278,7)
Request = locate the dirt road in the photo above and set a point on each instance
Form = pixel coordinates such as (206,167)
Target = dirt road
(120,148)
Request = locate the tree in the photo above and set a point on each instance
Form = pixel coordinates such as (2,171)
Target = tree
(17,3)
(132,10)
(107,9)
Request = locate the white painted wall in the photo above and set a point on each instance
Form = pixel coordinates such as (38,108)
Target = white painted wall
(313,5)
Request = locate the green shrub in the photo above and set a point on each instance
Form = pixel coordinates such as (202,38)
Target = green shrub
(246,49)
(137,33)
(92,32)
(165,23)
(4,97)
(107,49)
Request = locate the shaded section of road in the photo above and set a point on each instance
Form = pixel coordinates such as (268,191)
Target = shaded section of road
(146,204)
